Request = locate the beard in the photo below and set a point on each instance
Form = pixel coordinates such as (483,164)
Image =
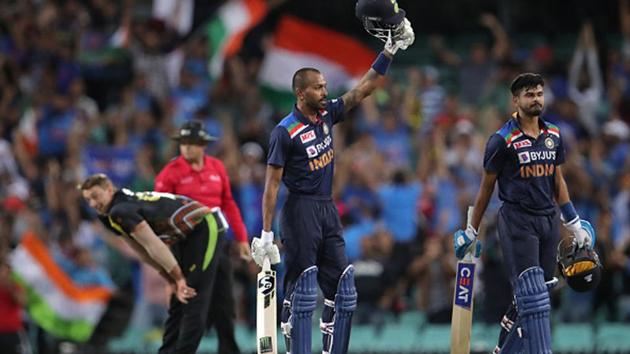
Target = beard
(316,105)
(533,111)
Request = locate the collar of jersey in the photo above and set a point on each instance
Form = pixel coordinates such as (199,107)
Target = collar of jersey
(302,118)
(544,128)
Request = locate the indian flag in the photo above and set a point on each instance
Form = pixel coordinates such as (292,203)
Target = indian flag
(54,301)
(296,44)
(228,28)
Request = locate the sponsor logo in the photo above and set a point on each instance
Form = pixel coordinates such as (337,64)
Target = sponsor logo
(523,157)
(265,285)
(215,178)
(589,278)
(531,156)
(549,143)
(311,151)
(265,344)
(308,136)
(324,144)
(464,284)
(326,130)
(522,144)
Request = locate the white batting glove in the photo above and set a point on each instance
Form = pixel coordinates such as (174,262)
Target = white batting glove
(263,246)
(401,42)
(583,232)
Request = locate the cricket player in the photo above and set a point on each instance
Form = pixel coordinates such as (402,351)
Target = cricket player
(149,222)
(525,157)
(301,154)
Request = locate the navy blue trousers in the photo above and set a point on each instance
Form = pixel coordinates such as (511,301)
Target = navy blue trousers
(311,234)
(528,240)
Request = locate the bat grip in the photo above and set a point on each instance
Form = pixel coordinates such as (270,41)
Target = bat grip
(469,217)
(266,263)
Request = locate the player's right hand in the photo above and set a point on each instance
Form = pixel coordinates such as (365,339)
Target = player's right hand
(264,247)
(465,241)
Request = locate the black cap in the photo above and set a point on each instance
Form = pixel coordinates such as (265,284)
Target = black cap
(383,11)
(192,131)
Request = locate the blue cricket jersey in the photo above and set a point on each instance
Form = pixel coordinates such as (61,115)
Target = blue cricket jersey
(305,150)
(526,167)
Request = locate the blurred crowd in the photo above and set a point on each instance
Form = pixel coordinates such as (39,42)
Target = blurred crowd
(88,86)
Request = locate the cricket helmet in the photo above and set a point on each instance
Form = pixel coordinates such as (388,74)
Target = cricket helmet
(381,18)
(579,266)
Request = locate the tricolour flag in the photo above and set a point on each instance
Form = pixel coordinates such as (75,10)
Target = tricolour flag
(228,28)
(296,44)
(54,301)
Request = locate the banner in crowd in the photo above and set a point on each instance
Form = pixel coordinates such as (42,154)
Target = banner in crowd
(296,44)
(228,28)
(54,301)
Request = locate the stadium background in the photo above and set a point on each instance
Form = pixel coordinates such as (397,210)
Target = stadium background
(94,86)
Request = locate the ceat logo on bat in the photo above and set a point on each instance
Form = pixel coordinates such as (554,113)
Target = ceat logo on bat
(308,136)
(522,144)
(464,284)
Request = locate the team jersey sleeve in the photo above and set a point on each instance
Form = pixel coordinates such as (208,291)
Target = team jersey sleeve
(335,109)
(560,151)
(279,145)
(495,154)
(228,205)
(124,217)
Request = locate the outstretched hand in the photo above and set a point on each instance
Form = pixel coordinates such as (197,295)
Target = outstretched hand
(401,41)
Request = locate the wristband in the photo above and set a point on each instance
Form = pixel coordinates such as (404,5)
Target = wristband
(569,214)
(381,64)
(266,236)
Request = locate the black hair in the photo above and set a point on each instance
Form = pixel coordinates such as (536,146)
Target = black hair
(526,81)
(299,78)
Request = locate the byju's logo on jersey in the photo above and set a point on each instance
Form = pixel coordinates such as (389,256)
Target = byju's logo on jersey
(308,136)
(523,157)
(311,151)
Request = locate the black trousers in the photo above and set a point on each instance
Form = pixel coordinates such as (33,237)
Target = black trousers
(222,314)
(197,255)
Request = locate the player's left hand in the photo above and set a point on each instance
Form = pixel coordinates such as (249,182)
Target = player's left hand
(184,292)
(466,241)
(583,232)
(402,41)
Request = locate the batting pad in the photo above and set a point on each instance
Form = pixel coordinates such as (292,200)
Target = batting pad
(532,332)
(303,302)
(337,315)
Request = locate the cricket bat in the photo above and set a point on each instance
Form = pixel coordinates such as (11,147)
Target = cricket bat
(461,322)
(266,333)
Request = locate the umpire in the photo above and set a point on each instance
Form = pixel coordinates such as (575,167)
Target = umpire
(203,178)
(193,232)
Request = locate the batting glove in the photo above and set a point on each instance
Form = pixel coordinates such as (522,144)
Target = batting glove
(400,42)
(466,241)
(583,232)
(263,246)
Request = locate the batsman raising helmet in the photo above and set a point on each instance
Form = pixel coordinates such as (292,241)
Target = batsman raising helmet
(525,158)
(301,155)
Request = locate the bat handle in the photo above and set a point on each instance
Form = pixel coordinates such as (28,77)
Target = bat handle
(469,217)
(266,263)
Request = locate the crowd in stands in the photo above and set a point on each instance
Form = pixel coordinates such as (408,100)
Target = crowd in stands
(86,86)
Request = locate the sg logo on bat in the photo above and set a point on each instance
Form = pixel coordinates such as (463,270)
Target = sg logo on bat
(266,287)
(464,284)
